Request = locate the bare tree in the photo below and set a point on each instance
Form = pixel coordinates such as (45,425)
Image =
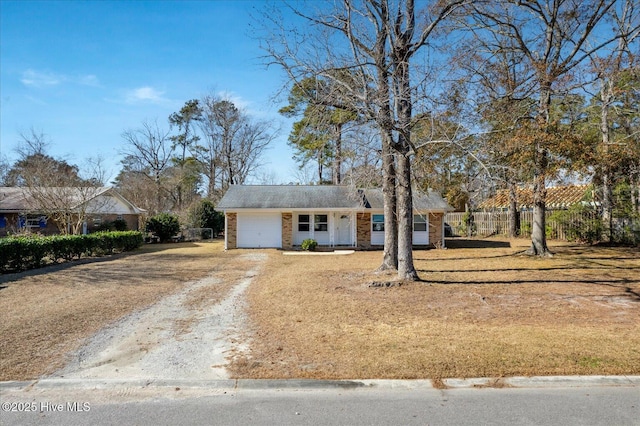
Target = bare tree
(233,146)
(148,154)
(4,170)
(615,69)
(555,37)
(503,87)
(53,187)
(377,42)
(209,149)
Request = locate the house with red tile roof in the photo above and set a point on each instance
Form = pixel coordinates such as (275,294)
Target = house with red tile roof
(558,198)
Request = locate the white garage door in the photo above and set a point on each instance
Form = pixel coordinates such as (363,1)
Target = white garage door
(259,230)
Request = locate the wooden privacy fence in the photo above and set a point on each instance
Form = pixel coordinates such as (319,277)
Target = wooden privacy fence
(497,223)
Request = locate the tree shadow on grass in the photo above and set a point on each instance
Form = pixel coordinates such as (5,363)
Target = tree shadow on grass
(622,284)
(467,243)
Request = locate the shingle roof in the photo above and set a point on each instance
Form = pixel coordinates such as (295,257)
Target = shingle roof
(558,197)
(421,200)
(14,199)
(316,197)
(289,197)
(17,199)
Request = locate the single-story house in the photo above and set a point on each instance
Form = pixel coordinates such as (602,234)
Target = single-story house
(558,198)
(283,216)
(20,211)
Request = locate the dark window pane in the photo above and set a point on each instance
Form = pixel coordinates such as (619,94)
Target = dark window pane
(303,218)
(420,227)
(303,227)
(320,227)
(378,227)
(320,218)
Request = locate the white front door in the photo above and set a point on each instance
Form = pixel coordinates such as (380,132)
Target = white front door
(343,229)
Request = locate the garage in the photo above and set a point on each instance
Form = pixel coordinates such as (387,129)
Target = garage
(256,230)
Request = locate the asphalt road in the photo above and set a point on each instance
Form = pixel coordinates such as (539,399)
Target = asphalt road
(385,405)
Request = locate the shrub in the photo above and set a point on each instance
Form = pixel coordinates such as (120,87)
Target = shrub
(116,225)
(468,226)
(627,232)
(309,244)
(581,224)
(164,226)
(28,252)
(120,225)
(204,215)
(68,247)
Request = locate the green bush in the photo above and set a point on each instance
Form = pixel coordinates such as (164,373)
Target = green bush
(581,224)
(29,252)
(164,226)
(309,244)
(204,215)
(116,225)
(68,247)
(628,233)
(468,226)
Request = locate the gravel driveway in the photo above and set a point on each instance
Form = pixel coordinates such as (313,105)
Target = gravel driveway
(169,340)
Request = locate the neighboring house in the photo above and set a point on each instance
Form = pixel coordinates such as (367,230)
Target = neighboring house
(19,211)
(334,216)
(558,198)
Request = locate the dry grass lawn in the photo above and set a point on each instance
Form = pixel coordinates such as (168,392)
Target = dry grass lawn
(45,314)
(484,311)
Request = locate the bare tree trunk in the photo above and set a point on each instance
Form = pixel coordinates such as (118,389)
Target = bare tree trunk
(337,161)
(211,187)
(390,255)
(538,235)
(635,190)
(607,205)
(514,213)
(384,120)
(406,269)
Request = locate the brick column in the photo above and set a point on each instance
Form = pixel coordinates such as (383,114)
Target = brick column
(287,231)
(363,227)
(435,228)
(232,230)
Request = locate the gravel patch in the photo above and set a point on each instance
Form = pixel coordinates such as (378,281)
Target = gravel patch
(155,344)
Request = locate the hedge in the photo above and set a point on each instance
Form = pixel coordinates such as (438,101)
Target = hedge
(19,253)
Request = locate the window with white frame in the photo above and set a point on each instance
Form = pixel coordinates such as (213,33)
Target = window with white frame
(303,223)
(419,223)
(32,222)
(320,223)
(377,223)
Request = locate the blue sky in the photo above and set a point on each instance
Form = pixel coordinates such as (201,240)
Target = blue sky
(82,72)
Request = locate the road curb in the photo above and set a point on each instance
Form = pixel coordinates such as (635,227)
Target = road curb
(257,384)
(543,382)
